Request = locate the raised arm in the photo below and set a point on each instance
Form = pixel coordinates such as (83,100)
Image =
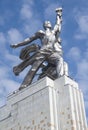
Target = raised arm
(25,42)
(57,27)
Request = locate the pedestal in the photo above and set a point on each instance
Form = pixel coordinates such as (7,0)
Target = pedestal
(45,105)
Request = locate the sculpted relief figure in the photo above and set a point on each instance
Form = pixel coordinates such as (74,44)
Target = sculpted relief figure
(50,52)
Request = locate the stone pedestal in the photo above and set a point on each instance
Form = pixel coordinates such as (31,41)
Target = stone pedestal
(45,105)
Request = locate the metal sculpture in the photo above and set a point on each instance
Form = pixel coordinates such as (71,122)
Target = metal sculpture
(50,51)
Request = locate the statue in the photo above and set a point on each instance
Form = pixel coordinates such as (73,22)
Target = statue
(35,55)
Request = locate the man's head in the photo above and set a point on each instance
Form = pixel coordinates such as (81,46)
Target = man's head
(47,24)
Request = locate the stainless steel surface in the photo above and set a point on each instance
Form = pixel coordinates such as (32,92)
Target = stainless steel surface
(50,51)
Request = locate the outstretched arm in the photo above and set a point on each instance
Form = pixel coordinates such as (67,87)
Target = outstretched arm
(57,27)
(25,42)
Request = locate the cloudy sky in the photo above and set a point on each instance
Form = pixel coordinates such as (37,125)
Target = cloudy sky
(19,19)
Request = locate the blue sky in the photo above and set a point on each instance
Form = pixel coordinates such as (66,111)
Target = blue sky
(20,19)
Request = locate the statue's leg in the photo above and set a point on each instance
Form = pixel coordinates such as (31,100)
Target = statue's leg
(25,52)
(60,67)
(65,68)
(19,68)
(49,70)
(57,59)
(30,75)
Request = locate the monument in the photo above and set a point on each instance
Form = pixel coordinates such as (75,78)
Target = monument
(50,52)
(54,101)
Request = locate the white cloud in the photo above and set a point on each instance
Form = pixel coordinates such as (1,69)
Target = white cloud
(74,53)
(26,12)
(31,22)
(2,38)
(2,21)
(2,91)
(3,72)
(32,27)
(50,11)
(2,43)
(80,56)
(6,77)
(14,35)
(3,95)
(2,101)
(80,35)
(7,86)
(13,59)
(81,18)
(48,2)
(86,53)
(10,85)
(83,22)
(30,2)
(82,73)
(83,69)
(83,83)
(80,60)
(9,60)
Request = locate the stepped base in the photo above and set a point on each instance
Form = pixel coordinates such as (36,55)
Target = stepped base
(45,105)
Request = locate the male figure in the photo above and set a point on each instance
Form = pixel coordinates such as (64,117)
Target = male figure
(50,50)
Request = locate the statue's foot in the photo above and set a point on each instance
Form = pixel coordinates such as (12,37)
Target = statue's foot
(16,70)
(22,86)
(16,73)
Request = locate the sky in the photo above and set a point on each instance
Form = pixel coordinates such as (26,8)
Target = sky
(20,19)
